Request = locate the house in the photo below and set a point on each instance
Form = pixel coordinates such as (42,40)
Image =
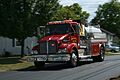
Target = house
(109,36)
(13,46)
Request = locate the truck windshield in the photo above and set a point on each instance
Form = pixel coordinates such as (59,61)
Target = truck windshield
(57,29)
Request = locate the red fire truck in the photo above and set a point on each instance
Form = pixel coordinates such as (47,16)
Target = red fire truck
(68,42)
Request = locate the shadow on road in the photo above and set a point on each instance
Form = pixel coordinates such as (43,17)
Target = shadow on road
(54,67)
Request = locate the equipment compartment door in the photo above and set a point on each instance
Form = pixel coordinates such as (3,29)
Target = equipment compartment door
(95,49)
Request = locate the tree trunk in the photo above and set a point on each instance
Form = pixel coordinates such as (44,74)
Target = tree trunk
(22,48)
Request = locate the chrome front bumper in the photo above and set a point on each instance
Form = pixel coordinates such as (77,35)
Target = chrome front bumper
(49,58)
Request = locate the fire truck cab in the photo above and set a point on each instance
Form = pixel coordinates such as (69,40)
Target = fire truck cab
(68,41)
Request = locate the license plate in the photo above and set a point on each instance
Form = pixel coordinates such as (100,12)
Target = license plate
(32,59)
(54,59)
(41,59)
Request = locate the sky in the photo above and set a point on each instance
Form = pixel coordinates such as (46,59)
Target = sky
(87,5)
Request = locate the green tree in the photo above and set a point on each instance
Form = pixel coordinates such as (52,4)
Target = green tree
(20,18)
(16,20)
(71,12)
(44,10)
(108,16)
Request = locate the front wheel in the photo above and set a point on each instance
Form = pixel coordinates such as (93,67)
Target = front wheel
(73,59)
(101,56)
(39,64)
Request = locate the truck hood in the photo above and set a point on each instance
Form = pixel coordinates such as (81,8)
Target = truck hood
(53,37)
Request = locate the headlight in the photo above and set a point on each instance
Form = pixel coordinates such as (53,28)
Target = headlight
(34,52)
(62,50)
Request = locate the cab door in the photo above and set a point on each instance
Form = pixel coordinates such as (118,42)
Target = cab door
(75,37)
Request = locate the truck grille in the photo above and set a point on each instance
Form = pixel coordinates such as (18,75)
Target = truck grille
(43,47)
(48,47)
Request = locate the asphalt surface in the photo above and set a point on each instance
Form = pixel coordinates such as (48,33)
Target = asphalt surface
(86,70)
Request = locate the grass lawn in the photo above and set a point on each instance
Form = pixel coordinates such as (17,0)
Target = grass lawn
(12,63)
(111,53)
(115,78)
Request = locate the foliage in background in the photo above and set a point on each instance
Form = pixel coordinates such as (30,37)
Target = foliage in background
(20,18)
(108,16)
(73,12)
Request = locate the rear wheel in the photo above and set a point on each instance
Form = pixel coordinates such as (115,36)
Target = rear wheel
(101,56)
(113,50)
(73,59)
(39,64)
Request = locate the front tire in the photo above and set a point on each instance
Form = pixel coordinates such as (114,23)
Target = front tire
(101,56)
(73,59)
(39,64)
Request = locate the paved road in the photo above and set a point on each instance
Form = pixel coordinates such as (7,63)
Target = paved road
(85,71)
